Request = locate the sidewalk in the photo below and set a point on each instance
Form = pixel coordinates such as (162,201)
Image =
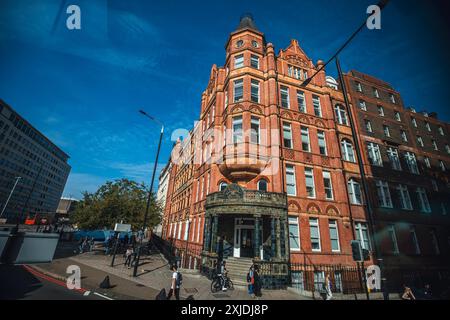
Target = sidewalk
(154,274)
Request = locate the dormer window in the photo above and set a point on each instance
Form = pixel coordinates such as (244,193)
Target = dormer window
(239,43)
(255,44)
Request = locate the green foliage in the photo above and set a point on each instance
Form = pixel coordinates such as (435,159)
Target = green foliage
(115,201)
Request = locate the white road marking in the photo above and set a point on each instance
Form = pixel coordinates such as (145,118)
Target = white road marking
(104,297)
(87,293)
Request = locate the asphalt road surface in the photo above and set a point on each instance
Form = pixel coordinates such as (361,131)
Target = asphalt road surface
(23,283)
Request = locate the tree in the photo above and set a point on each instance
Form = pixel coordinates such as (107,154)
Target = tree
(116,201)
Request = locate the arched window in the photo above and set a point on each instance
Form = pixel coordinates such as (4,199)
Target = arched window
(222,186)
(354,191)
(347,150)
(341,115)
(262,185)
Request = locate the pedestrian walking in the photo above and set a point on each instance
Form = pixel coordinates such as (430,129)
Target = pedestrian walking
(175,284)
(91,244)
(250,281)
(328,293)
(407,293)
(256,282)
(128,256)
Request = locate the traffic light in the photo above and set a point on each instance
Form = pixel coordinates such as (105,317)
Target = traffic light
(357,251)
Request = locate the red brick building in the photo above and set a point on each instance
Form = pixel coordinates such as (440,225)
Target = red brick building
(270,170)
(406,155)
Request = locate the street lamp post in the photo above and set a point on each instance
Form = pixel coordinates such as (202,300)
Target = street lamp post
(150,191)
(10,195)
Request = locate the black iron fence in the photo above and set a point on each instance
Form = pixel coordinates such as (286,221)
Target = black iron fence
(311,278)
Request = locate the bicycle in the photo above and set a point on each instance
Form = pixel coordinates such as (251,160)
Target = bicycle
(217,283)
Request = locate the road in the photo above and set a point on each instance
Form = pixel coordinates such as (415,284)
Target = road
(23,283)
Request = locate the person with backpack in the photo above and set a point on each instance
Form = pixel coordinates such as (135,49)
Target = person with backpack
(177,279)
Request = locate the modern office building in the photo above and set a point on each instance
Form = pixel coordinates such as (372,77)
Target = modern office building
(40,164)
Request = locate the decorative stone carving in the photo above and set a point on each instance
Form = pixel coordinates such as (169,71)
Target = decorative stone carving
(313,208)
(332,211)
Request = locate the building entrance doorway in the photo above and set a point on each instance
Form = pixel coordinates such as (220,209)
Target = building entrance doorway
(244,237)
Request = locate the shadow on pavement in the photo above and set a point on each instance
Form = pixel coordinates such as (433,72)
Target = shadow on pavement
(16,282)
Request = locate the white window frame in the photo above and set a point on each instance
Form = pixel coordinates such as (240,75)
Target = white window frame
(314,222)
(380,111)
(292,220)
(322,142)
(362,234)
(341,115)
(254,58)
(368,124)
(301,101)
(442,166)
(238,135)
(420,141)
(351,186)
(404,135)
(423,200)
(326,175)
(186,230)
(362,105)
(386,131)
(254,85)
(309,176)
(305,138)
(347,151)
(317,106)
(238,84)
(412,162)
(427,162)
(405,198)
(255,121)
(239,61)
(398,116)
(333,224)
(394,158)
(284,92)
(384,194)
(287,135)
(290,172)
(393,236)
(374,154)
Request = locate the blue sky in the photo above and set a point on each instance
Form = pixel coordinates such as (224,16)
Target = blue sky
(83,88)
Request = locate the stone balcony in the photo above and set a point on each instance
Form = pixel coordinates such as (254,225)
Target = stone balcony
(237,200)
